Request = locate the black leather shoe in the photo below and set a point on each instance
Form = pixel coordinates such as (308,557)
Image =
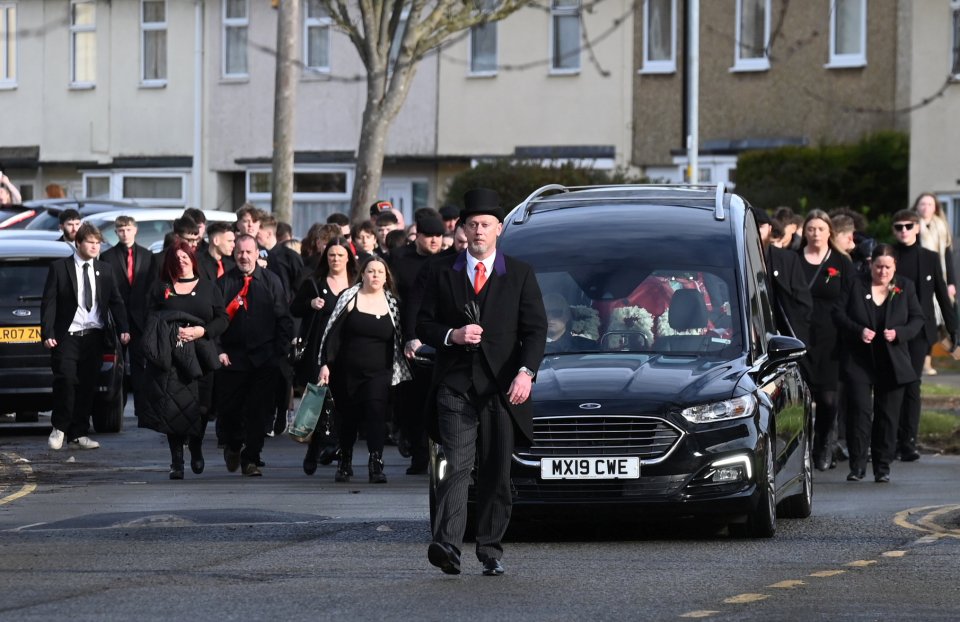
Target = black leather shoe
(328,454)
(910,456)
(883,478)
(232,458)
(492,568)
(855,476)
(252,470)
(196,457)
(444,556)
(417,469)
(176,471)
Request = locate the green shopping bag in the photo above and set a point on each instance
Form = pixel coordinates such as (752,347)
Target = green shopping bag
(309,412)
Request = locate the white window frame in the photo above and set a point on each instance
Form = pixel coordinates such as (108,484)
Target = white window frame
(954,57)
(843,61)
(751,64)
(146,27)
(659,66)
(76,29)
(304,197)
(8,42)
(226,24)
(487,6)
(712,168)
(310,23)
(117,177)
(555,12)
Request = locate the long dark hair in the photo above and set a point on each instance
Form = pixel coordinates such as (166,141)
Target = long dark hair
(170,270)
(323,268)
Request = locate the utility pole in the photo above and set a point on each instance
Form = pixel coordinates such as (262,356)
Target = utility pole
(693,92)
(285,95)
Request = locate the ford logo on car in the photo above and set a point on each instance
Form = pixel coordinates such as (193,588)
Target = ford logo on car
(22,312)
(590,406)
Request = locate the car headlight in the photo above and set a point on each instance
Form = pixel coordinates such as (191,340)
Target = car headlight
(735,408)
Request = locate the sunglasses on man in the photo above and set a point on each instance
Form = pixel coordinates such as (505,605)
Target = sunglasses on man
(903,226)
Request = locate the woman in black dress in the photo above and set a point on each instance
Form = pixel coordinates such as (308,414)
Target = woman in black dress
(185,315)
(829,273)
(878,316)
(361,356)
(314,303)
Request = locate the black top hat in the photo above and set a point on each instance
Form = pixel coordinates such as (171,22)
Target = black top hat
(481,201)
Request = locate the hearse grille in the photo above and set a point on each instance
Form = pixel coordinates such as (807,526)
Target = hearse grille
(602,435)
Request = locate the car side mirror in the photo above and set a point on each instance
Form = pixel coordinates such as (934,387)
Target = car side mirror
(782,348)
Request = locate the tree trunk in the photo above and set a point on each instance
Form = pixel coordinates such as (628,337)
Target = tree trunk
(285,96)
(370,151)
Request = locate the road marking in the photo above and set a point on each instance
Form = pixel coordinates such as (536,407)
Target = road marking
(740,599)
(894,553)
(862,563)
(928,521)
(827,573)
(788,584)
(703,613)
(26,470)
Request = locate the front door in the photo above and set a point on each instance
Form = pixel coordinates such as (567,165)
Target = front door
(400,193)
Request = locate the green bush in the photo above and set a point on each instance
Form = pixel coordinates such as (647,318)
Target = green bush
(514,180)
(870,177)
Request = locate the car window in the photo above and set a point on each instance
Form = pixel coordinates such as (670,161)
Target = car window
(621,306)
(22,281)
(47,221)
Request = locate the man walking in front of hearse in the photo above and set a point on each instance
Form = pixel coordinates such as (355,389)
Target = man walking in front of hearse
(79,292)
(483,312)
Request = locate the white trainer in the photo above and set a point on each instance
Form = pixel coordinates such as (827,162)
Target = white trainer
(85,442)
(55,441)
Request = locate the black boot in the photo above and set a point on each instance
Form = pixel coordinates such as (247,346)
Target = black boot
(176,456)
(196,455)
(328,454)
(375,468)
(345,468)
(313,450)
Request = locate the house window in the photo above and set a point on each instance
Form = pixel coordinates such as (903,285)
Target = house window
(96,187)
(316,37)
(659,36)
(153,27)
(8,45)
(753,35)
(83,43)
(163,188)
(235,23)
(565,36)
(483,45)
(848,33)
(955,52)
(317,192)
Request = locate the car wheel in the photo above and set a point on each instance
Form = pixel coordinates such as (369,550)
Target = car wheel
(27,416)
(108,414)
(762,521)
(800,505)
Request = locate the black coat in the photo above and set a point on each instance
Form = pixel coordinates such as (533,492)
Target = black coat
(792,301)
(208,265)
(929,285)
(406,265)
(512,316)
(903,315)
(59,303)
(145,271)
(261,335)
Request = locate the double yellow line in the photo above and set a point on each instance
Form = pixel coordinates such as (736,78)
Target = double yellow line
(925,519)
(26,470)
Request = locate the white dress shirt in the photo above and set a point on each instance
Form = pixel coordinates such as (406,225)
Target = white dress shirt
(84,319)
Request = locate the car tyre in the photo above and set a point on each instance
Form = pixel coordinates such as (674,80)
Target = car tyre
(800,505)
(27,416)
(108,414)
(762,521)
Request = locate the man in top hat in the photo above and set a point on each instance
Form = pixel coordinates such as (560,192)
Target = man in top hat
(483,312)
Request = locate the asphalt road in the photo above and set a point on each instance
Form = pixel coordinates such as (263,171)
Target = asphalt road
(104,535)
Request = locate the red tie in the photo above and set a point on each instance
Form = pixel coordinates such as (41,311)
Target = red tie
(130,265)
(240,300)
(219,268)
(480,279)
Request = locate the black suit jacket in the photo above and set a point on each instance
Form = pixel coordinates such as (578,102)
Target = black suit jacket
(208,265)
(792,300)
(852,315)
(59,303)
(145,272)
(512,316)
(261,335)
(931,286)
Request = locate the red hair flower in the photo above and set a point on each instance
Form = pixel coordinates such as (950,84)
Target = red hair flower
(832,272)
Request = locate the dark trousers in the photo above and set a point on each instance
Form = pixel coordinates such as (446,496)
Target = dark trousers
(910,411)
(872,424)
(413,403)
(138,369)
(76,363)
(825,426)
(462,420)
(367,410)
(244,398)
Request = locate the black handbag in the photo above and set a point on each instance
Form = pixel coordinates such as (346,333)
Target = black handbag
(300,341)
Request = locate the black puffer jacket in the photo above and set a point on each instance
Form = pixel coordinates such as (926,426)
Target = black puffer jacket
(171,404)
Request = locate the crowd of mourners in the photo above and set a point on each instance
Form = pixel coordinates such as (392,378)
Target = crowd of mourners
(231,321)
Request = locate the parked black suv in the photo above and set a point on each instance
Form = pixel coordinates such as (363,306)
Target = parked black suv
(666,389)
(26,379)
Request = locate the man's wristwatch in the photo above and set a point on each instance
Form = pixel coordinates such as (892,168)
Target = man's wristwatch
(527,371)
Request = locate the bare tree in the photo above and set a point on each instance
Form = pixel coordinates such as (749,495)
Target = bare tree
(374,28)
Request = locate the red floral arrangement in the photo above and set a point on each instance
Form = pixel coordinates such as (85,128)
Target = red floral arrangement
(832,272)
(894,290)
(166,293)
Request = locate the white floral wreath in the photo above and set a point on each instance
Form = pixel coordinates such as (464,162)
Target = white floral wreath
(631,320)
(585,322)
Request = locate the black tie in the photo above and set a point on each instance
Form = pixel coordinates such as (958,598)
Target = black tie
(87,288)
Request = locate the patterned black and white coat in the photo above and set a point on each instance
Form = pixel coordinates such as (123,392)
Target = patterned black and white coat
(330,343)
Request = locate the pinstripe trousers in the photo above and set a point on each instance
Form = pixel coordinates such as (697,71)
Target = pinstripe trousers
(462,420)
